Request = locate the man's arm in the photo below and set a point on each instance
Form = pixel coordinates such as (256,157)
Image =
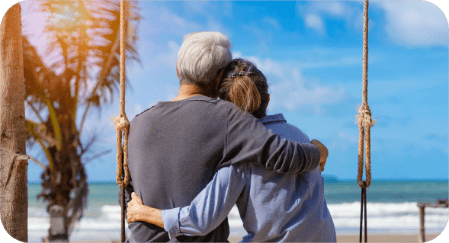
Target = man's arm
(248,140)
(206,212)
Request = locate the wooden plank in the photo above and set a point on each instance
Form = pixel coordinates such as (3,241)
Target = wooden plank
(422,233)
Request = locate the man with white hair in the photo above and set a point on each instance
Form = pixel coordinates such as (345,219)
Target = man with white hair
(175,147)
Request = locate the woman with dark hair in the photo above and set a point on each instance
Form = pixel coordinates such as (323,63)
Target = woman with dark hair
(272,206)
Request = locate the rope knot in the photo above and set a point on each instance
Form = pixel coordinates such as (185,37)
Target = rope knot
(121,123)
(364,116)
(362,184)
(122,126)
(365,123)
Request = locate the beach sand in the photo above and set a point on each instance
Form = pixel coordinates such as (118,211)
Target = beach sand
(340,238)
(372,238)
(385,238)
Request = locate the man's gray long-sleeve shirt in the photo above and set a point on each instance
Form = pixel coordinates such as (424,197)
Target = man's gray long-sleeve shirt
(175,148)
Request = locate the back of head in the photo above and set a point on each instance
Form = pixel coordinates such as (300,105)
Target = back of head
(245,86)
(200,57)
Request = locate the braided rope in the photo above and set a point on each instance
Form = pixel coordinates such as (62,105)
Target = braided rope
(121,122)
(364,114)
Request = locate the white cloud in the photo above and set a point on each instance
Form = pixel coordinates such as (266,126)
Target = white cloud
(212,11)
(136,109)
(293,94)
(415,23)
(271,21)
(332,8)
(269,66)
(226,8)
(410,23)
(335,62)
(176,21)
(172,91)
(160,20)
(209,7)
(169,58)
(315,13)
(291,91)
(342,141)
(213,25)
(315,22)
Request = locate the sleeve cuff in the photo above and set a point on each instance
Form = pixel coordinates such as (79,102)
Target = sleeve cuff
(170,217)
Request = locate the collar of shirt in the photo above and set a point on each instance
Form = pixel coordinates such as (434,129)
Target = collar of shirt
(273,118)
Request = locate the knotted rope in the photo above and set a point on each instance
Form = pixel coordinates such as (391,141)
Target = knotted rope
(365,123)
(364,114)
(122,128)
(122,123)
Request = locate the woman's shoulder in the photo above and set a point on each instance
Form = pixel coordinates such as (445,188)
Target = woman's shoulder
(288,131)
(302,135)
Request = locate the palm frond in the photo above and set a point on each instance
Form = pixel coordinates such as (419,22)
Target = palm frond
(79,70)
(31,128)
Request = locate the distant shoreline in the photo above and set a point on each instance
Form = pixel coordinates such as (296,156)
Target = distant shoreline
(332,181)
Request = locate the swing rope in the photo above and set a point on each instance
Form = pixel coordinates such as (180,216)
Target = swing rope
(365,123)
(122,123)
(364,114)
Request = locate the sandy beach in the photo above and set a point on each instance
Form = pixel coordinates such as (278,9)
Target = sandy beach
(385,238)
(373,238)
(340,238)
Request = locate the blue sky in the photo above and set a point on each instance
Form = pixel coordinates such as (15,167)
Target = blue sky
(311,53)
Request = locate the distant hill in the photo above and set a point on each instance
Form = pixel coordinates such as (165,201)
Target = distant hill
(330,179)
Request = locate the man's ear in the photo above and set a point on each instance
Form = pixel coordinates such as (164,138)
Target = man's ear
(219,76)
(214,91)
(177,70)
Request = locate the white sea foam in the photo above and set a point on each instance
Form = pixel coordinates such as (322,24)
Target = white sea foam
(379,209)
(37,212)
(393,217)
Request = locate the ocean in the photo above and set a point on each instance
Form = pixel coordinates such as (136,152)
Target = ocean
(392,208)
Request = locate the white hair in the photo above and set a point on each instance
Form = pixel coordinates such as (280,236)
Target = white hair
(201,55)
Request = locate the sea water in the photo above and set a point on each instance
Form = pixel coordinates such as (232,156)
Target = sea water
(392,208)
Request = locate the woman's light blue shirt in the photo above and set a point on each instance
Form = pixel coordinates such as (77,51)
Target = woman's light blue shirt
(272,206)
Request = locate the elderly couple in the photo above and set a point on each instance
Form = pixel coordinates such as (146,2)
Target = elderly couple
(192,158)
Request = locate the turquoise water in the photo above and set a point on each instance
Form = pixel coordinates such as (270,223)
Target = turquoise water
(105,193)
(387,191)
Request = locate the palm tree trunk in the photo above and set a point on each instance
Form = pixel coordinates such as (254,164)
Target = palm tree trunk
(58,224)
(14,198)
(57,209)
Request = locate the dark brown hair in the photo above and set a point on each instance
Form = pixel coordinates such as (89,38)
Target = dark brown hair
(245,86)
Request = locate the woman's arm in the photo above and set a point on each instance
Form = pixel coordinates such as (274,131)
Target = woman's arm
(206,212)
(323,152)
(139,212)
(128,190)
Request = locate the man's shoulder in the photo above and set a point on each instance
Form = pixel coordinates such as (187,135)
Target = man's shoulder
(226,103)
(199,105)
(144,111)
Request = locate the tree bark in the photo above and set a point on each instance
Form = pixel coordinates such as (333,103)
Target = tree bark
(14,164)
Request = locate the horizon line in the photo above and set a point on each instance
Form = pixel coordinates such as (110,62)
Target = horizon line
(336,179)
